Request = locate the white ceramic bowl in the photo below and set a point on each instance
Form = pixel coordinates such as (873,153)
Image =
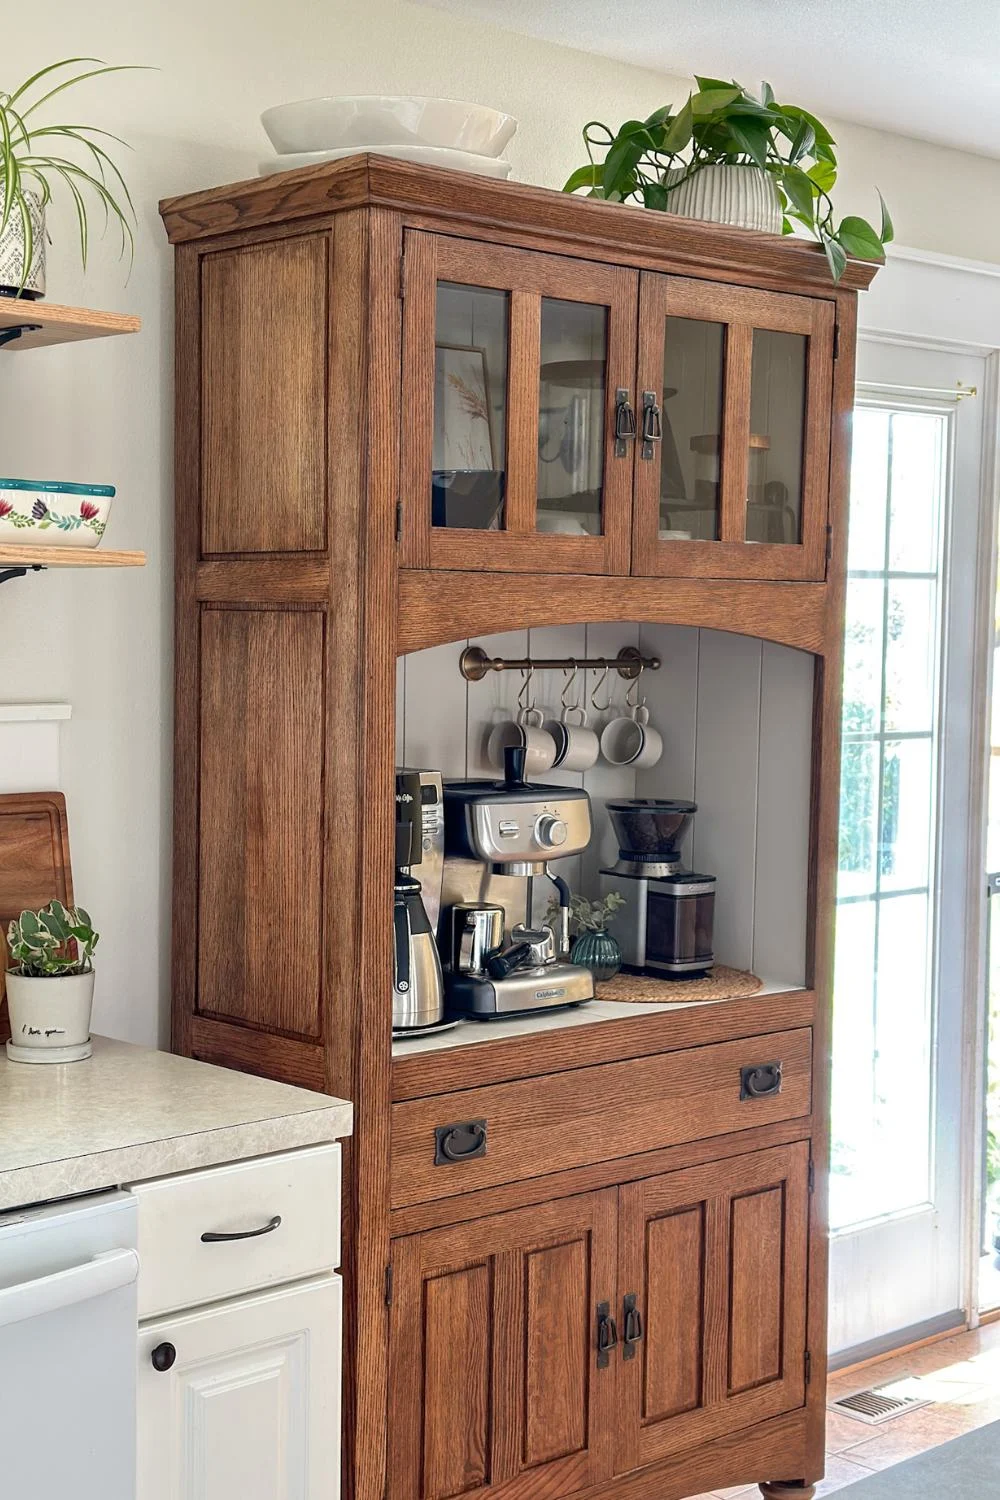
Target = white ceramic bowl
(430,156)
(46,512)
(366,121)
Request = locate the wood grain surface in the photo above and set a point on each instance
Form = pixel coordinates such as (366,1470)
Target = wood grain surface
(60,325)
(34,864)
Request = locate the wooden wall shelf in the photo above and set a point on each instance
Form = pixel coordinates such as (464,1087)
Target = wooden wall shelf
(51,324)
(16,556)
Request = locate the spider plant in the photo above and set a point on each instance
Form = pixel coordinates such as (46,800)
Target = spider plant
(34,157)
(723,124)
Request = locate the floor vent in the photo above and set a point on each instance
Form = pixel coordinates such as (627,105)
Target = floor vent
(875,1406)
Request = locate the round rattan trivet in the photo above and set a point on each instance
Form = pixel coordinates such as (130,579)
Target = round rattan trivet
(720,984)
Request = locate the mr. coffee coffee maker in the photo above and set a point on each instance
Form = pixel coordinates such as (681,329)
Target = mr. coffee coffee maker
(476,865)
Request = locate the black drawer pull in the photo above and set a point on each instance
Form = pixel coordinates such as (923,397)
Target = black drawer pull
(162,1357)
(213,1237)
(624,422)
(760,1081)
(632,1325)
(464,1141)
(607,1335)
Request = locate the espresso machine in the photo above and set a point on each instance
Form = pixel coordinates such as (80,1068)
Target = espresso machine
(417,985)
(499,836)
(665,926)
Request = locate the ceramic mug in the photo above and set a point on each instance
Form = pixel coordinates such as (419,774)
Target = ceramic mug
(631,740)
(577,746)
(526,730)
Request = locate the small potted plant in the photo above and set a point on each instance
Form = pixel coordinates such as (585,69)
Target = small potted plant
(730,157)
(36,157)
(50,989)
(594,947)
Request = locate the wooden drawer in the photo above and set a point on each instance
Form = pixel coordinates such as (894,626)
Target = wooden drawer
(586,1115)
(179,1267)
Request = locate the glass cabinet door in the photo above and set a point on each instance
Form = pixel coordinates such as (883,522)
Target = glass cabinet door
(517,419)
(733,447)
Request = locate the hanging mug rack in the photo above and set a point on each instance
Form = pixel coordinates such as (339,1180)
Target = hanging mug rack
(474,663)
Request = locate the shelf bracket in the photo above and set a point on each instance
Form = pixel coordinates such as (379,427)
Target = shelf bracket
(8,335)
(6,574)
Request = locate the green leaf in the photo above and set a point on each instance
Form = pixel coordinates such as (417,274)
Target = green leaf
(800,190)
(836,258)
(679,133)
(766,93)
(802,142)
(654,195)
(823,174)
(752,138)
(659,117)
(707,101)
(705,84)
(592,175)
(888,233)
(823,136)
(858,238)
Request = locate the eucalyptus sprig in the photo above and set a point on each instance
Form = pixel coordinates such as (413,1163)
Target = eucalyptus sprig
(723,124)
(35,156)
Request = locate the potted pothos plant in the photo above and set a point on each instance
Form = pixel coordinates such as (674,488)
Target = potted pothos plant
(38,156)
(50,988)
(728,156)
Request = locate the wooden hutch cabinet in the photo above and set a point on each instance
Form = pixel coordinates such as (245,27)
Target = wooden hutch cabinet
(415,407)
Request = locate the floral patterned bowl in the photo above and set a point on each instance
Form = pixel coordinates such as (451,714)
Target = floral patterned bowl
(45,512)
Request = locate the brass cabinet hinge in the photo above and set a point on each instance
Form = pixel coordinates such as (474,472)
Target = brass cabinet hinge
(388,1286)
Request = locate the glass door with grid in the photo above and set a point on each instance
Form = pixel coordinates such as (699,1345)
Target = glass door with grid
(901,950)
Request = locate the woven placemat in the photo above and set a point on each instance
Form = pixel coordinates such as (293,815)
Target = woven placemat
(720,984)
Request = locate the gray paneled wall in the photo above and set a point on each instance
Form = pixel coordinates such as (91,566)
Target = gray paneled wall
(736,720)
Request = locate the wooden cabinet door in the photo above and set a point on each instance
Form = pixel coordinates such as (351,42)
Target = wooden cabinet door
(250,1405)
(495,1384)
(714,1258)
(732,458)
(518,371)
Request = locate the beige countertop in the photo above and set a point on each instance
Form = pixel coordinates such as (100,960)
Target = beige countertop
(128,1113)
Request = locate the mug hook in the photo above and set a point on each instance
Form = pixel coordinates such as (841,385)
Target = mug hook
(572,672)
(523,700)
(632,699)
(601,708)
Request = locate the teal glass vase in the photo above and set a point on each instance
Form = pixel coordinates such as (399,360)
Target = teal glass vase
(599,952)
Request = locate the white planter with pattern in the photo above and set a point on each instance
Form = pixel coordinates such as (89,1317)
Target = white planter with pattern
(743,196)
(12,250)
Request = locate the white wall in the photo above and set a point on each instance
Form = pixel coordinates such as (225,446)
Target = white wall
(103,411)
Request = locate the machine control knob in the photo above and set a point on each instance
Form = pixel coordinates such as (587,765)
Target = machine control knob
(550,831)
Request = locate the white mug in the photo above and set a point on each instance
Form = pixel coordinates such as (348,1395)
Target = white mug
(577,747)
(631,740)
(526,730)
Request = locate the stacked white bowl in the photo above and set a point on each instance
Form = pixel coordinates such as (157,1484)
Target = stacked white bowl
(437,132)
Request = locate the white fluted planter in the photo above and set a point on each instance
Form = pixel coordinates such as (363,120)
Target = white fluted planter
(743,196)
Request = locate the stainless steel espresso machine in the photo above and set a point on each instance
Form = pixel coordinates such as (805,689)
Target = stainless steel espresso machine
(499,835)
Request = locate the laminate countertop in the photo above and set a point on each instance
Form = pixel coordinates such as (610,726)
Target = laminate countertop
(129,1113)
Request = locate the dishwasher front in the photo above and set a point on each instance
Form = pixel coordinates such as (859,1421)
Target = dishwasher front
(68,1330)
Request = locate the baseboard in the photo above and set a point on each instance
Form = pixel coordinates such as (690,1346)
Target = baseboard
(903,1339)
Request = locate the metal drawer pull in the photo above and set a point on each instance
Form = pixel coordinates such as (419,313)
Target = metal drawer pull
(607,1335)
(211,1237)
(652,427)
(624,422)
(632,1322)
(761,1081)
(464,1141)
(162,1358)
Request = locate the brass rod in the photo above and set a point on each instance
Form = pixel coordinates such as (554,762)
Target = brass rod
(475,664)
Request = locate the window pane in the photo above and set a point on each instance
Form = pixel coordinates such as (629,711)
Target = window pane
(863,655)
(470,407)
(858,817)
(911,653)
(869,490)
(571,407)
(692,428)
(907,805)
(918,447)
(853,1037)
(777,415)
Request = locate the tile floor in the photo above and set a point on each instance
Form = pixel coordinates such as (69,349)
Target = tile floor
(961,1375)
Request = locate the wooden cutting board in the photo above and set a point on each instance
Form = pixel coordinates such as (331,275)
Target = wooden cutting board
(34,863)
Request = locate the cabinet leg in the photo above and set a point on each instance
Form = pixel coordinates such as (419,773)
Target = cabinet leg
(775,1490)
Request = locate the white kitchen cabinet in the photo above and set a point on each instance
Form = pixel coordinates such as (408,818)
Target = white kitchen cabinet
(248,1407)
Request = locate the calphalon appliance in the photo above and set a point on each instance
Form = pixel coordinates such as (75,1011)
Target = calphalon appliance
(417,981)
(509,828)
(665,927)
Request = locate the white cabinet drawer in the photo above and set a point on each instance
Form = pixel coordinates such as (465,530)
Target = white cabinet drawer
(204,1236)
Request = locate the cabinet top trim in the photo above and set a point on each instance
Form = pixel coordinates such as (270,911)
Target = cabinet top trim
(457,199)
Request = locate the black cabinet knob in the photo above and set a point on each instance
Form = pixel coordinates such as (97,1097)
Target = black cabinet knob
(163,1357)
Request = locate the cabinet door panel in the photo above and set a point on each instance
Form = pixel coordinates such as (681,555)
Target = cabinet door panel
(716,1256)
(250,1406)
(512,362)
(735,482)
(494,1385)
